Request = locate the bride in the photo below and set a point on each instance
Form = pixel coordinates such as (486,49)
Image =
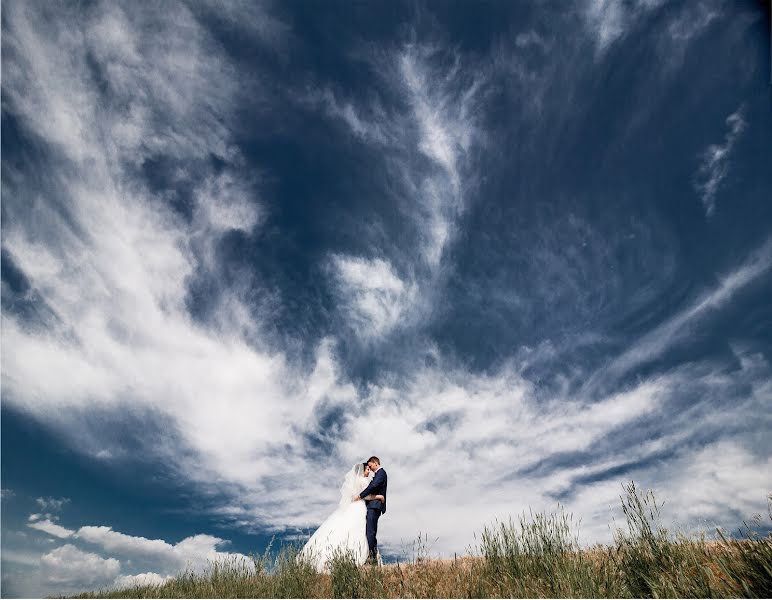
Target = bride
(344,529)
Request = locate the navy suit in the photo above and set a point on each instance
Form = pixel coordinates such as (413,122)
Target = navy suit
(375,508)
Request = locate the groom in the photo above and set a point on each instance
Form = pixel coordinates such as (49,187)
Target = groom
(375,508)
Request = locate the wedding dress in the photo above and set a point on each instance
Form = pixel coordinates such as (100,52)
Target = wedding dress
(344,529)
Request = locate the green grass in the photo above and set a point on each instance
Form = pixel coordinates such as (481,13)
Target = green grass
(537,556)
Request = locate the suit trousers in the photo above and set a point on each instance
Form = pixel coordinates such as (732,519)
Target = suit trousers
(373,514)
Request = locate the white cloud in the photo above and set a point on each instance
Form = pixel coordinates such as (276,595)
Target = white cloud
(444,107)
(609,20)
(72,568)
(162,83)
(487,461)
(120,334)
(692,22)
(52,503)
(253,19)
(662,337)
(194,552)
(141,579)
(719,475)
(225,203)
(6,493)
(50,527)
(441,125)
(376,297)
(370,124)
(715,162)
(129,545)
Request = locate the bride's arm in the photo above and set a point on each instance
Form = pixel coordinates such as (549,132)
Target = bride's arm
(374,497)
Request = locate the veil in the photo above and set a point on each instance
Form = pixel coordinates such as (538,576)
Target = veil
(352,484)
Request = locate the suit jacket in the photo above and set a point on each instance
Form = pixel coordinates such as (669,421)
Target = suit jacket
(377,486)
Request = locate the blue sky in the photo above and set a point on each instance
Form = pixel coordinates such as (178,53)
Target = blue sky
(520,251)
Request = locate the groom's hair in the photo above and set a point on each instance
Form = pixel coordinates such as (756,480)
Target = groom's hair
(374,459)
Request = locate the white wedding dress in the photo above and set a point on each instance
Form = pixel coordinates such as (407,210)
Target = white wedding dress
(344,529)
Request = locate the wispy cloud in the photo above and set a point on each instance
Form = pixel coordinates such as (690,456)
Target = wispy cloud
(715,162)
(441,125)
(256,20)
(52,503)
(377,298)
(444,104)
(664,336)
(370,123)
(608,20)
(120,331)
(693,21)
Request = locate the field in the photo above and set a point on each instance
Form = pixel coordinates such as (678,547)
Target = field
(537,556)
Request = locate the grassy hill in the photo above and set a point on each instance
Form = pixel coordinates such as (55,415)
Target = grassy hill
(538,556)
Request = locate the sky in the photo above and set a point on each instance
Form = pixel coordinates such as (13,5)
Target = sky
(522,252)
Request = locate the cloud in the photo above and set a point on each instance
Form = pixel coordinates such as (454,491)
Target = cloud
(227,204)
(72,568)
(657,340)
(117,332)
(140,579)
(26,558)
(194,552)
(530,38)
(376,297)
(444,107)
(426,142)
(715,162)
(6,493)
(692,22)
(49,527)
(371,124)
(497,446)
(52,503)
(160,88)
(256,20)
(608,20)
(443,96)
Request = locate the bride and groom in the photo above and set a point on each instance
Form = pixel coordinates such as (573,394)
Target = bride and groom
(353,527)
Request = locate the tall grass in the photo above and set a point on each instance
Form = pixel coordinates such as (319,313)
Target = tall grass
(537,555)
(748,563)
(541,556)
(654,563)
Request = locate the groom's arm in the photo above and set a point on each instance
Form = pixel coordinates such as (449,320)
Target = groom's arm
(377,480)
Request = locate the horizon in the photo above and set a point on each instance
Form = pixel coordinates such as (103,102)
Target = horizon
(522,253)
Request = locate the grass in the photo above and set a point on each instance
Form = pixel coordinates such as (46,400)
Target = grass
(537,556)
